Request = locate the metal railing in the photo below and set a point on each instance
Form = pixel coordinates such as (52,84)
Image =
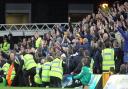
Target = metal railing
(29,29)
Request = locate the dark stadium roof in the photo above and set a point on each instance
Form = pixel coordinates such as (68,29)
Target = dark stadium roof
(68,1)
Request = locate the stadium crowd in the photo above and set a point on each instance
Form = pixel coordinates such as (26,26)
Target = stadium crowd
(99,43)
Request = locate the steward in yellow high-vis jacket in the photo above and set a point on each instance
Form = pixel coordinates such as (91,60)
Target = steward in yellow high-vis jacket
(46,67)
(108,58)
(38,40)
(5,46)
(56,72)
(29,68)
(37,77)
(11,70)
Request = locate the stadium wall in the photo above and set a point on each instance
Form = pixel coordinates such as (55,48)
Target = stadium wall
(42,11)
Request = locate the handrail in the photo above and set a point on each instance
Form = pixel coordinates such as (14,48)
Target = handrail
(30,27)
(38,23)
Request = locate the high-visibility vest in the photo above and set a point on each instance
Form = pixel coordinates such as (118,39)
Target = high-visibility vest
(5,68)
(0,69)
(29,61)
(9,71)
(5,47)
(56,68)
(108,59)
(45,72)
(37,77)
(38,42)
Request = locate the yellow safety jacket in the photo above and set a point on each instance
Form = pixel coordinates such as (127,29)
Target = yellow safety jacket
(5,47)
(5,68)
(29,61)
(38,42)
(108,59)
(56,69)
(37,77)
(45,72)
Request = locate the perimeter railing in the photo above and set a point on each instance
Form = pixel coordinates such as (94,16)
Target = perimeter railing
(31,28)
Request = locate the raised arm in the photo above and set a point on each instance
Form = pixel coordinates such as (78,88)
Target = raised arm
(122,32)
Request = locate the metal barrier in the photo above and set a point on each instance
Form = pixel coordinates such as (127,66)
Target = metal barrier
(30,29)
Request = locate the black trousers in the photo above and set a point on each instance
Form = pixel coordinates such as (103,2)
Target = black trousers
(117,65)
(19,80)
(29,76)
(55,82)
(44,84)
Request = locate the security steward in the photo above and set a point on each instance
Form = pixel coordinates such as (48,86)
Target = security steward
(108,62)
(37,77)
(56,72)
(38,40)
(45,71)
(29,67)
(5,46)
(11,69)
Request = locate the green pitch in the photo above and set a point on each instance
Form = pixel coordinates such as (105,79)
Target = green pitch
(29,88)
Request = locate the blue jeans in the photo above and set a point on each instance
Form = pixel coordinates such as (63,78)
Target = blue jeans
(125,59)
